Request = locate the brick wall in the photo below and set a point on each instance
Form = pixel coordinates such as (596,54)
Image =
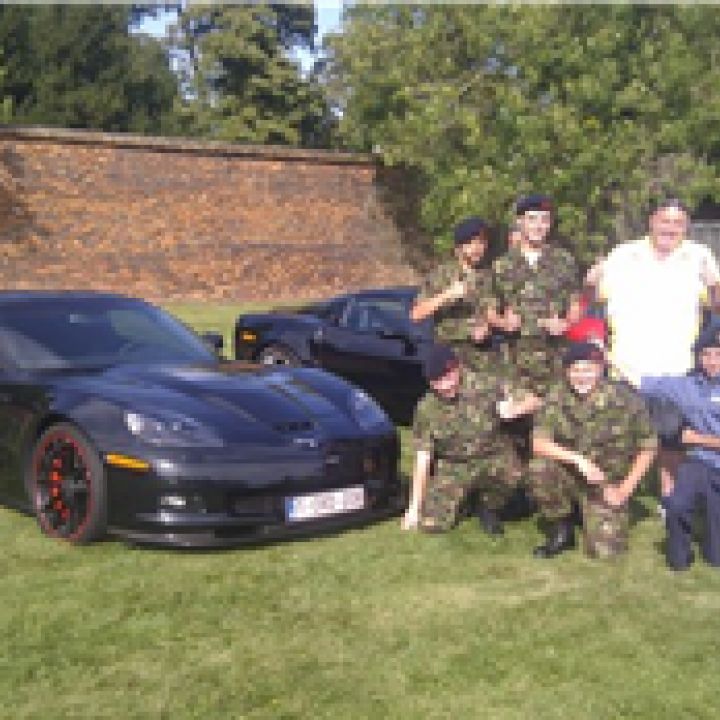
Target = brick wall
(172,219)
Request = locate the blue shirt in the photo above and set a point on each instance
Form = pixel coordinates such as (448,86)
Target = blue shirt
(697,397)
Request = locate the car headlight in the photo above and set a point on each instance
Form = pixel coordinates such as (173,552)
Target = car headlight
(170,429)
(366,412)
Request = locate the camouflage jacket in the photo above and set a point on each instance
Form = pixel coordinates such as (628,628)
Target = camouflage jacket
(453,321)
(462,428)
(535,292)
(609,426)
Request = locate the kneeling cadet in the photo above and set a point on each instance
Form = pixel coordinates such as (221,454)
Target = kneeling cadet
(592,443)
(459,447)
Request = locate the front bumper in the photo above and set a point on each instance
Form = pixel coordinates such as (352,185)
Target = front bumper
(224,506)
(223,533)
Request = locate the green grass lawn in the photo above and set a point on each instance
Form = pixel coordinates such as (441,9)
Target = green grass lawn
(370,623)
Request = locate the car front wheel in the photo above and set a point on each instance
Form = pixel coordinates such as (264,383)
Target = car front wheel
(66,482)
(278,355)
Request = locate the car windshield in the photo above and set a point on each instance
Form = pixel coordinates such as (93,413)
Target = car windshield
(66,333)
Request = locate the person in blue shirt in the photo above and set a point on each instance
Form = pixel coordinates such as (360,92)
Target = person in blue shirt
(693,417)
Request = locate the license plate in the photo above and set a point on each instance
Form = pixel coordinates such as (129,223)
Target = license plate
(323,504)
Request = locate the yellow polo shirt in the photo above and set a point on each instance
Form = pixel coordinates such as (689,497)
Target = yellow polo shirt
(654,306)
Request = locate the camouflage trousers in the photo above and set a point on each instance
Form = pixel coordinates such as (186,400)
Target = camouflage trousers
(535,363)
(555,488)
(494,477)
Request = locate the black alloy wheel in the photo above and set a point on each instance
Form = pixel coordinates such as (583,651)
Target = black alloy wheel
(66,481)
(278,355)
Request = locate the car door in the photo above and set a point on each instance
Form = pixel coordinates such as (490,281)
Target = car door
(373,345)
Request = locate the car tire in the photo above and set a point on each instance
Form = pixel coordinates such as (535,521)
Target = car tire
(278,355)
(67,486)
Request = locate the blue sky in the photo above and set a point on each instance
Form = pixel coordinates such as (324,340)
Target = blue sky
(328,14)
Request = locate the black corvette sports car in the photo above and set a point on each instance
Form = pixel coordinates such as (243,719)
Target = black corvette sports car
(116,418)
(366,337)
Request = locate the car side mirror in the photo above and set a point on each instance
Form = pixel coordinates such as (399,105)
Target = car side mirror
(214,341)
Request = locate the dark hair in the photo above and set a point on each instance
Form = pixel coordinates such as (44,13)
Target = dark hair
(669,200)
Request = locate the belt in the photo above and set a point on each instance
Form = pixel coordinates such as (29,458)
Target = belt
(459,458)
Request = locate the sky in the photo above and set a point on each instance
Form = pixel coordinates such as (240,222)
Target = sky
(328,13)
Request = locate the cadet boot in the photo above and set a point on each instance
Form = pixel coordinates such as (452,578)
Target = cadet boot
(560,538)
(678,566)
(490,521)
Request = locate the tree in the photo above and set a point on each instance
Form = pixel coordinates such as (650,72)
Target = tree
(79,66)
(596,105)
(5,100)
(240,82)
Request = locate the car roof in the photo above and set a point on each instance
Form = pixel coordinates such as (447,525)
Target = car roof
(396,291)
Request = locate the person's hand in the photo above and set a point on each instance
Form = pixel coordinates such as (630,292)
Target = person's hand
(511,409)
(410,520)
(456,290)
(614,495)
(506,409)
(709,272)
(513,321)
(594,274)
(593,474)
(479,330)
(554,325)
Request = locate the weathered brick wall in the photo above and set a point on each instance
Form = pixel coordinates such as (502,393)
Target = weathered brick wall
(172,219)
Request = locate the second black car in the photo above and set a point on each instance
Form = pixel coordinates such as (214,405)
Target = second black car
(366,337)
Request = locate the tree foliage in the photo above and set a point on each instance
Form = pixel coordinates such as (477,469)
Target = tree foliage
(596,105)
(79,66)
(240,82)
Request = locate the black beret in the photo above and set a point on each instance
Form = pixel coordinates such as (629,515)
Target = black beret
(466,230)
(709,337)
(582,351)
(533,202)
(437,361)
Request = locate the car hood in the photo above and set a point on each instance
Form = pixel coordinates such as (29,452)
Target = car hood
(240,402)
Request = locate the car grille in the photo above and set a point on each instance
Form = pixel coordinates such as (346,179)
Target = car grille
(347,462)
(265,505)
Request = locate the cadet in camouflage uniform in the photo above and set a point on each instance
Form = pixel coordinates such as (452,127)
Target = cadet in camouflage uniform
(592,441)
(458,294)
(459,447)
(536,296)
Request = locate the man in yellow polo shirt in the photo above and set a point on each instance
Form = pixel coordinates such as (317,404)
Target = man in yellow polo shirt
(655,289)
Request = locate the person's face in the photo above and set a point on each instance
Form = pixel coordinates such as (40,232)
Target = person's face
(710,361)
(447,385)
(668,228)
(535,225)
(584,375)
(471,253)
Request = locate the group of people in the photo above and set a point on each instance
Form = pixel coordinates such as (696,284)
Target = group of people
(576,424)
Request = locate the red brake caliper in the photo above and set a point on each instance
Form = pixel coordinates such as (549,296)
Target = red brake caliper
(56,488)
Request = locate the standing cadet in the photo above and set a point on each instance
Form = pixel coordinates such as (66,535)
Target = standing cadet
(593,442)
(536,296)
(459,447)
(696,423)
(457,296)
